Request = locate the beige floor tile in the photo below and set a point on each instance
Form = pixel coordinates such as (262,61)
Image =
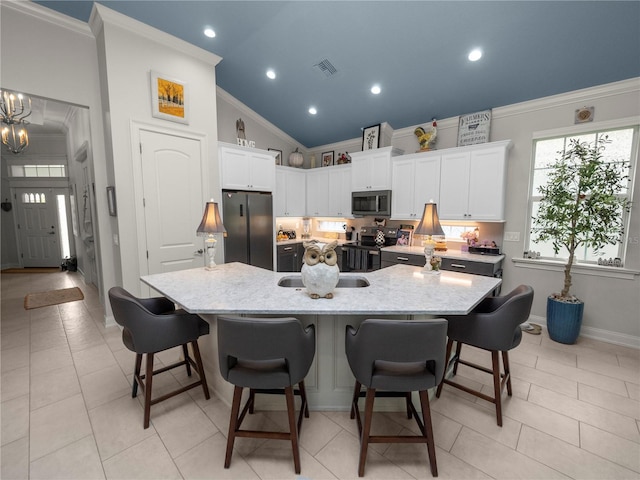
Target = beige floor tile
(15,460)
(15,338)
(585,412)
(117,425)
(316,431)
(104,385)
(560,356)
(571,461)
(626,374)
(340,457)
(181,424)
(496,460)
(15,419)
(78,460)
(445,430)
(582,376)
(57,425)
(217,410)
(479,418)
(610,446)
(14,383)
(519,389)
(206,460)
(51,359)
(629,362)
(49,339)
(616,403)
(15,357)
(546,379)
(93,359)
(148,459)
(633,390)
(50,387)
(274,461)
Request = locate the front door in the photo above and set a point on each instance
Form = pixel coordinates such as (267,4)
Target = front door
(37,223)
(172,178)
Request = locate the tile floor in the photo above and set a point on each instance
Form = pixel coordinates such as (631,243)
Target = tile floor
(67,412)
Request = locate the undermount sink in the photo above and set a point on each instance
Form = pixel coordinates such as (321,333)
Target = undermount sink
(295,281)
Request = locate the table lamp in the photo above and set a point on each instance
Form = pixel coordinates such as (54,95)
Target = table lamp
(210,225)
(429,225)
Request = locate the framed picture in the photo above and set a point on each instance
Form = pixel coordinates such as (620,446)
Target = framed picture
(169,98)
(278,156)
(111,201)
(403,237)
(371,137)
(327,159)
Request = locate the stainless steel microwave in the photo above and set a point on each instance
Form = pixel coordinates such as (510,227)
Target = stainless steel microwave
(376,202)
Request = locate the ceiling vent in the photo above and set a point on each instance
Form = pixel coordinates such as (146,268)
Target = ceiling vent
(326,67)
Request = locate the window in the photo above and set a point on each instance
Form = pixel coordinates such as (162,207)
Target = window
(622,148)
(38,170)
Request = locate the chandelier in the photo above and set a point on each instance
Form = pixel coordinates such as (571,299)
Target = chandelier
(14,108)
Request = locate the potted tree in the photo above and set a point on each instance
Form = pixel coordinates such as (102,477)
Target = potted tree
(580,207)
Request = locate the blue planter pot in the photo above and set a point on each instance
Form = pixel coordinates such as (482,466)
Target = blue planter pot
(564,320)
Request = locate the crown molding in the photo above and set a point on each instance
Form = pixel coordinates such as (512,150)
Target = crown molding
(47,15)
(101,15)
(227,97)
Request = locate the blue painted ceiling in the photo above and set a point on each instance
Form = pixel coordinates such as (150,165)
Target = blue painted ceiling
(415,50)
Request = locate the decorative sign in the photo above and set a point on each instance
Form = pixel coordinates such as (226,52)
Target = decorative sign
(474,128)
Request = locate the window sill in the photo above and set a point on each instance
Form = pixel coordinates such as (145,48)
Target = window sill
(579,268)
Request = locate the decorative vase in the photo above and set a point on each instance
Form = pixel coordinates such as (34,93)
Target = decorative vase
(564,320)
(296,159)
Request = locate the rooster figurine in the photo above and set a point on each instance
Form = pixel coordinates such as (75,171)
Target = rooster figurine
(427,138)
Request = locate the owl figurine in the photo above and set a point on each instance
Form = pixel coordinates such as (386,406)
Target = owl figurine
(320,269)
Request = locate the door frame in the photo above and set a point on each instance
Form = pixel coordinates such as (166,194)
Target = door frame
(136,127)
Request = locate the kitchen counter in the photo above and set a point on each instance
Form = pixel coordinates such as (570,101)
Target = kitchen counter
(398,292)
(235,288)
(453,254)
(341,241)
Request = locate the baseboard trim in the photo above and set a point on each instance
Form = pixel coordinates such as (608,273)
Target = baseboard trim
(598,334)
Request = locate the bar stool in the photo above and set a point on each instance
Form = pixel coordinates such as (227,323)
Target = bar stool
(152,325)
(494,325)
(266,355)
(397,357)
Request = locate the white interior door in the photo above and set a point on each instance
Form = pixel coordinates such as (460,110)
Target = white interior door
(38,229)
(172,173)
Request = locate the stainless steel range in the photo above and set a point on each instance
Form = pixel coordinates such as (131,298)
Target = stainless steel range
(364,255)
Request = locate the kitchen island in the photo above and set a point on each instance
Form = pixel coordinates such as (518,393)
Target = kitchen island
(400,291)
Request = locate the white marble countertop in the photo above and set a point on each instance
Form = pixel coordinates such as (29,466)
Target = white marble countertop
(455,254)
(235,288)
(341,241)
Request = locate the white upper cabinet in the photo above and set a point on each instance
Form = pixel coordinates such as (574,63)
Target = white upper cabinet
(318,192)
(416,181)
(473,181)
(340,191)
(243,168)
(290,192)
(371,169)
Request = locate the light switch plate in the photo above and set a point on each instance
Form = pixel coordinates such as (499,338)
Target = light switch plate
(511,236)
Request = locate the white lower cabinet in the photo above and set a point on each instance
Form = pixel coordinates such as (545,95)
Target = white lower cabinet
(416,181)
(473,181)
(290,193)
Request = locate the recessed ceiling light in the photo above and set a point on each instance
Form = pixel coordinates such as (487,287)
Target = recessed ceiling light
(209,32)
(312,110)
(271,74)
(475,55)
(375,89)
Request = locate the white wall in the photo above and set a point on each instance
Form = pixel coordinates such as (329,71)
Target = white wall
(58,61)
(128,52)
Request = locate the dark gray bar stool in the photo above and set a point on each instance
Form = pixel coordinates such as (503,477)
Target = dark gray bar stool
(152,325)
(266,355)
(494,325)
(396,357)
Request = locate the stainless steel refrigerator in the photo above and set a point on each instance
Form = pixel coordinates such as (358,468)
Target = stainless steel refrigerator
(248,219)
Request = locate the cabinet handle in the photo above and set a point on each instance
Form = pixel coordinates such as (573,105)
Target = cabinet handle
(403,259)
(457,265)
(286,249)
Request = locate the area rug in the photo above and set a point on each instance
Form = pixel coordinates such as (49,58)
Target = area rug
(52,297)
(31,270)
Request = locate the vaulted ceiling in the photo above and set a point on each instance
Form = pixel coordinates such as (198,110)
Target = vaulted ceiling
(416,51)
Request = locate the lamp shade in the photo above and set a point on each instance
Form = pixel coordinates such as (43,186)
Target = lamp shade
(211,221)
(430,223)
